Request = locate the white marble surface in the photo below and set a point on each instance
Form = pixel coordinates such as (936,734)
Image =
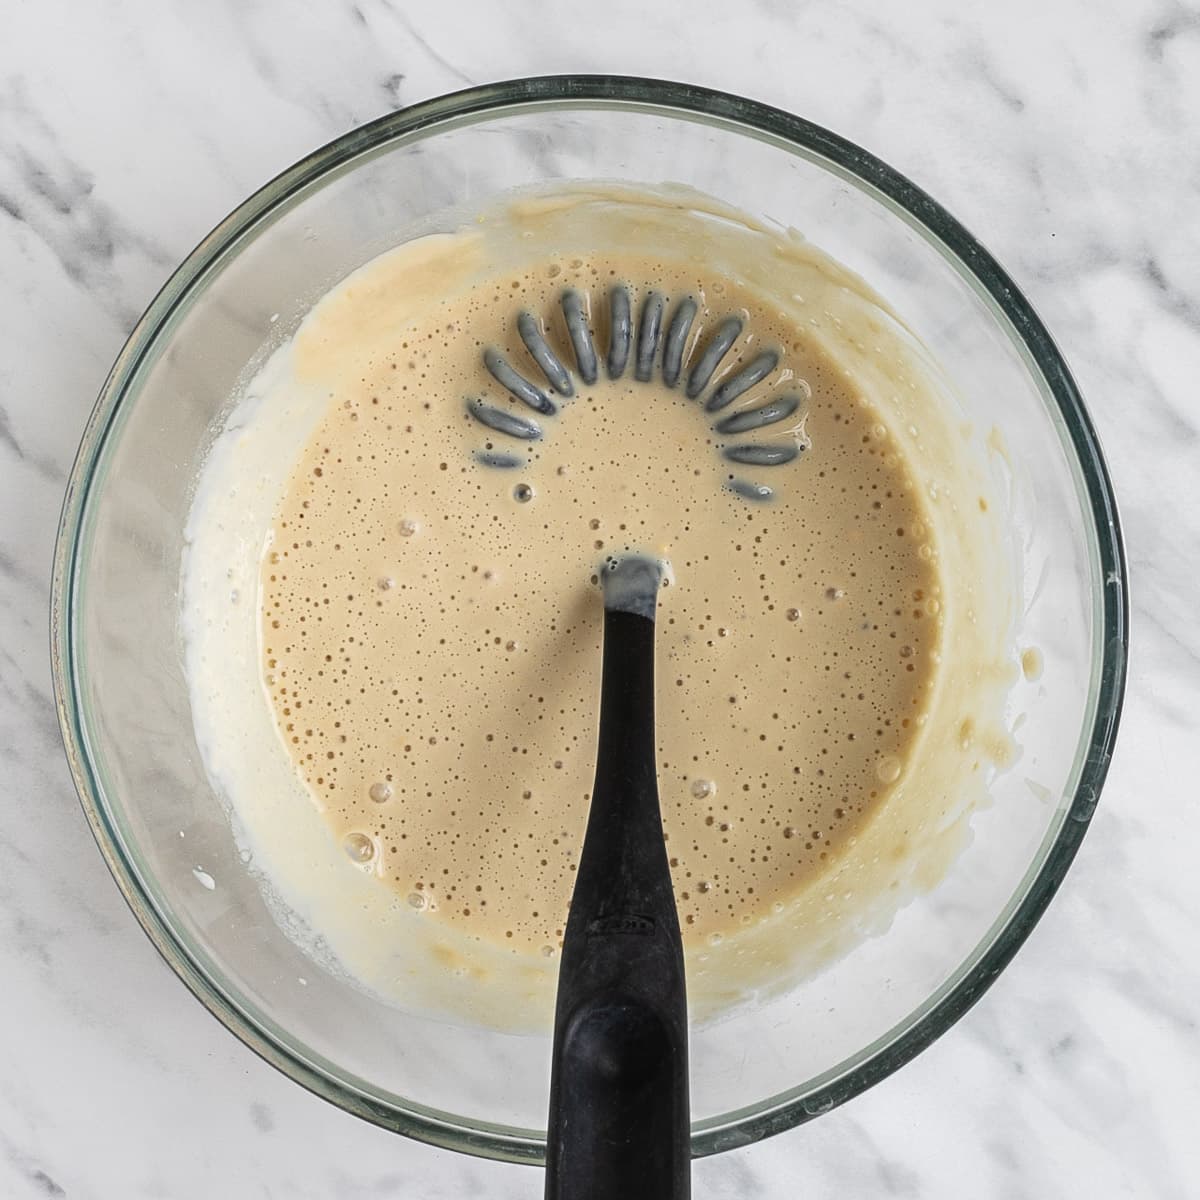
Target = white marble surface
(1062,133)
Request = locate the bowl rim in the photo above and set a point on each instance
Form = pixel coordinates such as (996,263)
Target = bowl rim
(920,211)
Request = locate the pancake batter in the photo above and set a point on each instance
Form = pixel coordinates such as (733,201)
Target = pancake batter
(429,627)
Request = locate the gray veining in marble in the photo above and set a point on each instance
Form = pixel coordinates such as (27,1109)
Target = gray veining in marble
(1063,134)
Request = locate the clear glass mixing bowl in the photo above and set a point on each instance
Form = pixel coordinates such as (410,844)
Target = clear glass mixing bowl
(123,702)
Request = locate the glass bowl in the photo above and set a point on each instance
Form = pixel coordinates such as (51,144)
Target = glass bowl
(123,701)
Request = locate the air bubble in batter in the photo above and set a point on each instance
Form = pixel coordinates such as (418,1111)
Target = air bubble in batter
(359,847)
(887,769)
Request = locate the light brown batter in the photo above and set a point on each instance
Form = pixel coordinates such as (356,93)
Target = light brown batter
(860,373)
(432,626)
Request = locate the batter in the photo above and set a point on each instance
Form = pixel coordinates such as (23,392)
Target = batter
(427,641)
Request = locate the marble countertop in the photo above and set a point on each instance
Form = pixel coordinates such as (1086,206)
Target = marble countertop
(1063,134)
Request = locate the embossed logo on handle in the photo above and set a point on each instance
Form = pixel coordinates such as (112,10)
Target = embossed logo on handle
(621,923)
